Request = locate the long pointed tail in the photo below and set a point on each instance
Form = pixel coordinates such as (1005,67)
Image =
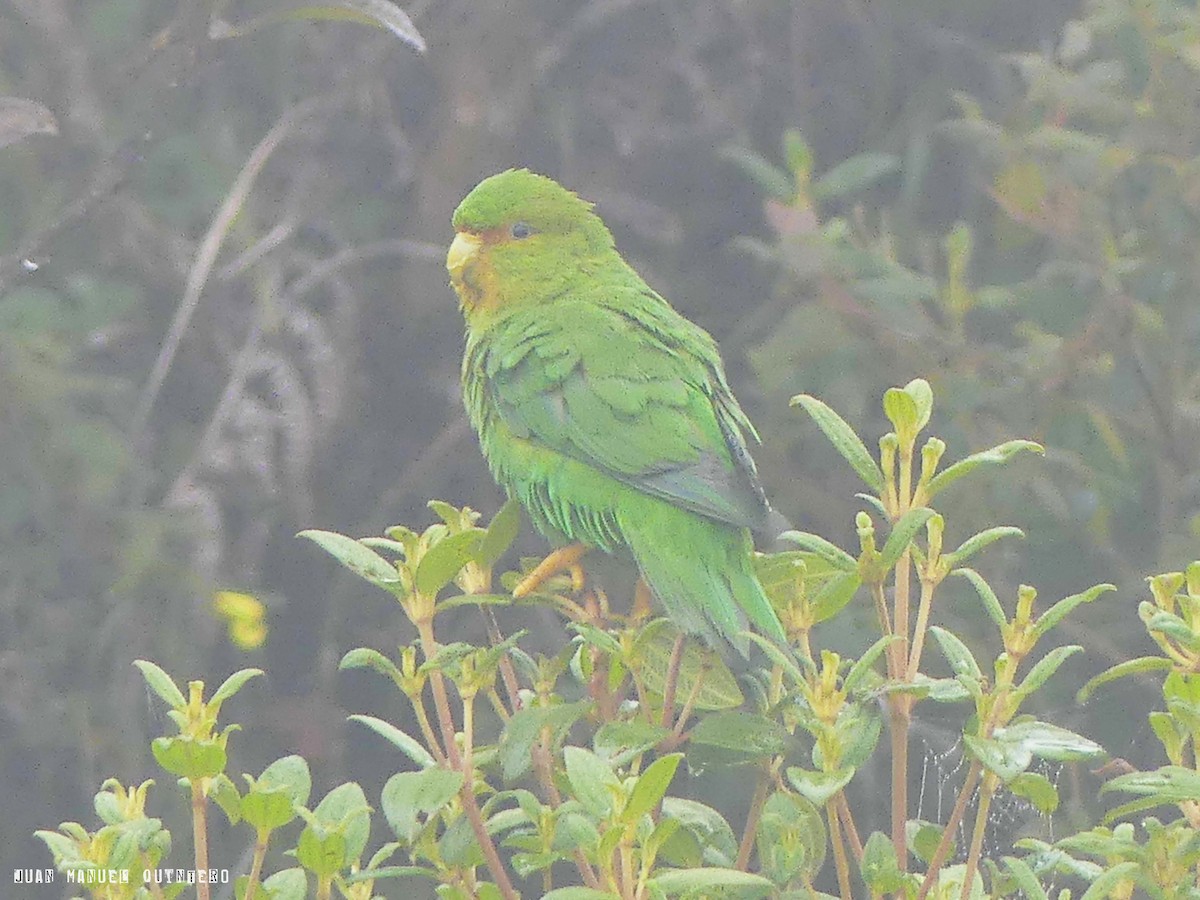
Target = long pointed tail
(700,570)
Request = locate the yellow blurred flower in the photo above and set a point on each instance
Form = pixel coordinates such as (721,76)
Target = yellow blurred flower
(246,617)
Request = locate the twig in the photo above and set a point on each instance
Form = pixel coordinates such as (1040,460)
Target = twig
(206,256)
(839,850)
(467,792)
(856,846)
(200,838)
(956,815)
(672,682)
(746,847)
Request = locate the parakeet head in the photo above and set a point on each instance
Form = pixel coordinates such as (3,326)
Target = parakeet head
(520,238)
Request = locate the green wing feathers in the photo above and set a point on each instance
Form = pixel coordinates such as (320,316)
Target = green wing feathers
(645,406)
(613,425)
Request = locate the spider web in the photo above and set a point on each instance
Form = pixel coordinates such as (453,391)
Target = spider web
(944,768)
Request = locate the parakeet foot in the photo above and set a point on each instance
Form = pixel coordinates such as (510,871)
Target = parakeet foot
(564,559)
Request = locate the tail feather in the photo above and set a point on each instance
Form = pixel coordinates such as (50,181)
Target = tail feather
(700,571)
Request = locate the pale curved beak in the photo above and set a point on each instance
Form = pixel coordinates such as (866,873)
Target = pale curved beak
(462,251)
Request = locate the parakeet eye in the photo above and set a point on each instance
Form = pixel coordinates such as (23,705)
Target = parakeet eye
(520,230)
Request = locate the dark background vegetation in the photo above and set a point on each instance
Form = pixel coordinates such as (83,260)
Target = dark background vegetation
(273,209)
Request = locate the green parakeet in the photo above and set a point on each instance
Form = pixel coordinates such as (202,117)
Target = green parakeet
(602,409)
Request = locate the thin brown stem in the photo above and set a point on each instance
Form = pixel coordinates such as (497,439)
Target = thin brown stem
(981,813)
(755,813)
(924,608)
(260,854)
(155,888)
(200,837)
(545,776)
(688,705)
(885,620)
(672,683)
(508,675)
(901,704)
(839,851)
(431,740)
(467,793)
(956,815)
(856,846)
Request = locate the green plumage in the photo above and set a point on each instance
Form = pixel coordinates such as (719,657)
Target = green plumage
(604,411)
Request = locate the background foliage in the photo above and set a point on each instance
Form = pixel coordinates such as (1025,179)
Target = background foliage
(224,318)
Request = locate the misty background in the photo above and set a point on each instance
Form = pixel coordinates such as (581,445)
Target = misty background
(224,314)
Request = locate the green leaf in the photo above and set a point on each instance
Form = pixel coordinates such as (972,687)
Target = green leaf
(652,657)
(445,559)
(855,174)
(1106,885)
(988,597)
(713,836)
(834,555)
(650,788)
(977,542)
(902,535)
(160,682)
(526,727)
(288,884)
(1063,607)
(1049,741)
(458,845)
(1167,784)
(593,782)
(346,809)
(62,848)
(374,873)
(292,774)
(818,787)
(798,155)
(923,838)
(790,839)
(879,868)
(1037,789)
(472,600)
(1045,667)
(862,666)
(367,658)
(1001,453)
(409,795)
(500,534)
(267,808)
(409,746)
(901,410)
(231,686)
(358,558)
(956,653)
(1005,759)
(1138,666)
(901,289)
(619,742)
(771,179)
(734,738)
(1025,880)
(858,728)
(844,440)
(189,757)
(834,595)
(322,852)
(378,13)
(223,792)
(710,881)
(579,893)
(922,395)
